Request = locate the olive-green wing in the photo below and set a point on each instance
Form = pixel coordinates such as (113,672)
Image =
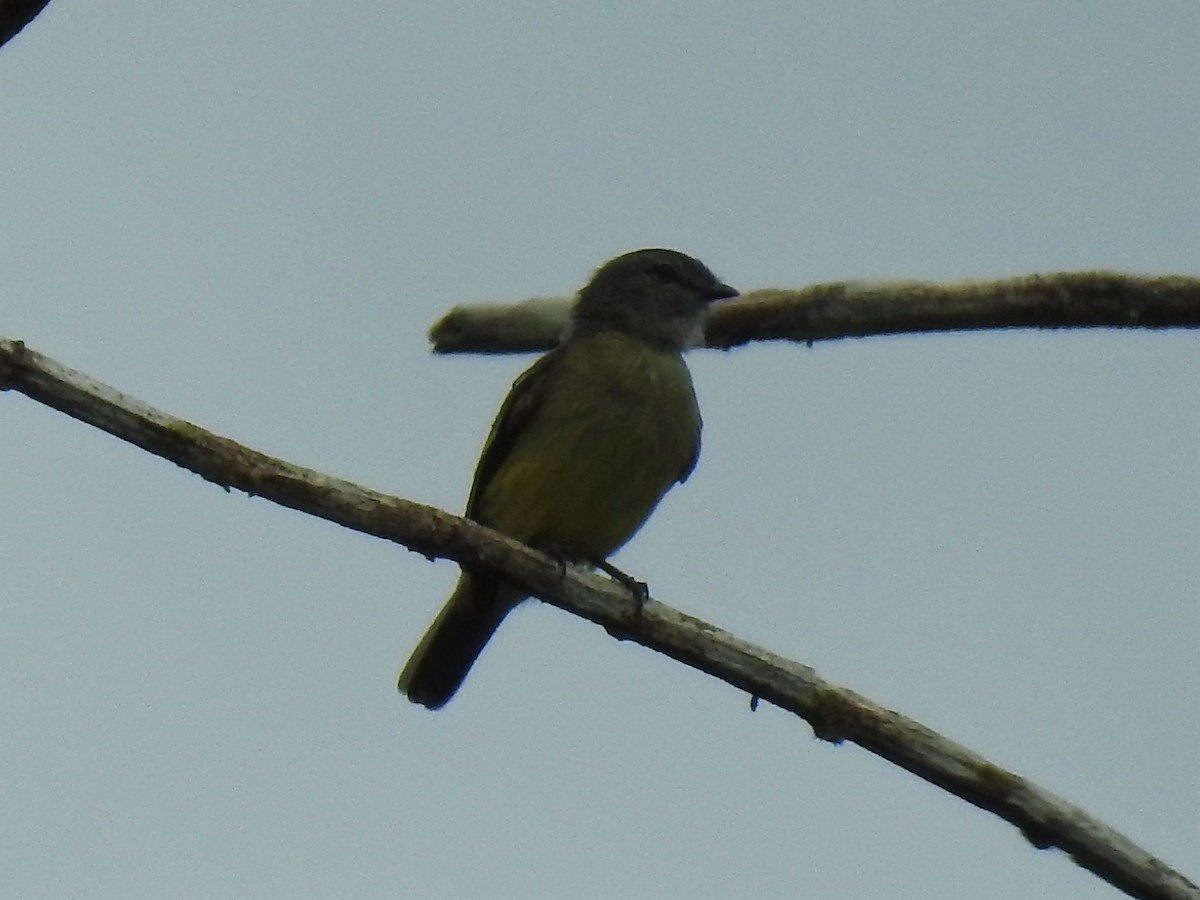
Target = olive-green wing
(519,407)
(691,463)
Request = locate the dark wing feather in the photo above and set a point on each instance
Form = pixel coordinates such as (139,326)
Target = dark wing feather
(521,404)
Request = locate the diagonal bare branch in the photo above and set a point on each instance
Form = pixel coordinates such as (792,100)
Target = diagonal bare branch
(835,713)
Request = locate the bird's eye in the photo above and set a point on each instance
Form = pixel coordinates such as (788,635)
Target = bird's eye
(667,272)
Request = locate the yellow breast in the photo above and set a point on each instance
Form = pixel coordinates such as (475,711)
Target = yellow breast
(617,424)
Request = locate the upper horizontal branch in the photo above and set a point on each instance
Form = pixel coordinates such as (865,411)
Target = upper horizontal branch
(835,713)
(861,308)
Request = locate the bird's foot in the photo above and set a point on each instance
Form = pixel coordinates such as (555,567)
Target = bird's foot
(638,589)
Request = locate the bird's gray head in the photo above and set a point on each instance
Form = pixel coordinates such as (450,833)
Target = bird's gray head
(659,296)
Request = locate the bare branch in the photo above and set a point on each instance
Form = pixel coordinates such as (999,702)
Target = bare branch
(16,14)
(861,308)
(835,713)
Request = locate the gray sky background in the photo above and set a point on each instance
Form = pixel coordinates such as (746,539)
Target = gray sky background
(249,214)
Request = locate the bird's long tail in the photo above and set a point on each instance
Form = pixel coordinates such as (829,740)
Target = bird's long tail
(454,641)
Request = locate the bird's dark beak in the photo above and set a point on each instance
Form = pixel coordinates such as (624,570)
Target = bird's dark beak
(721,291)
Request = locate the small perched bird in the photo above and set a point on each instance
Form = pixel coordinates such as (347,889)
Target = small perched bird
(587,442)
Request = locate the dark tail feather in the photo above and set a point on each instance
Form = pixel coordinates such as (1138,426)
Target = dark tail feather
(453,642)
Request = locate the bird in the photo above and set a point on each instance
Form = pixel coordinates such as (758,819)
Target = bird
(587,442)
